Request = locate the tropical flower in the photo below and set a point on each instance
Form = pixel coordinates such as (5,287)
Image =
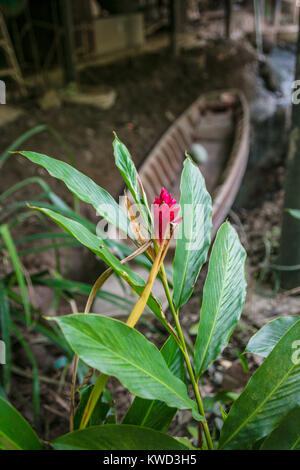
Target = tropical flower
(166,210)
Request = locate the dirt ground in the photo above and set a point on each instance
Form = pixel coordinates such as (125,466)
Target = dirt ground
(152,90)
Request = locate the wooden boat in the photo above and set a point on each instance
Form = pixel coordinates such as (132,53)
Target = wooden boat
(219,123)
(284,33)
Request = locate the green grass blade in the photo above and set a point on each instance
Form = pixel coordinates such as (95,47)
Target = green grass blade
(4,231)
(53,246)
(36,130)
(35,372)
(56,339)
(5,328)
(29,181)
(84,289)
(60,337)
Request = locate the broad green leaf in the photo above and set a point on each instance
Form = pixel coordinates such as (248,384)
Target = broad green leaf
(84,188)
(128,171)
(223,297)
(117,437)
(69,213)
(287,435)
(268,336)
(95,244)
(91,241)
(15,432)
(193,243)
(127,168)
(270,394)
(152,413)
(114,348)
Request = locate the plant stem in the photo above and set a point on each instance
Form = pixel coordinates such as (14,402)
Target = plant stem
(93,399)
(199,401)
(131,321)
(187,359)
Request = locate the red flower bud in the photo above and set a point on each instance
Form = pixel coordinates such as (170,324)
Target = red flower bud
(166,210)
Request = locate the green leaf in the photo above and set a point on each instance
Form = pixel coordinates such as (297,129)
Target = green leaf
(267,337)
(272,392)
(128,171)
(244,362)
(223,297)
(114,348)
(152,413)
(295,213)
(4,231)
(15,432)
(88,239)
(287,435)
(223,413)
(117,437)
(193,244)
(69,213)
(127,168)
(95,244)
(84,188)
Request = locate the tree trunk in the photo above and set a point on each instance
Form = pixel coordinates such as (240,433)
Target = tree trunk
(290,237)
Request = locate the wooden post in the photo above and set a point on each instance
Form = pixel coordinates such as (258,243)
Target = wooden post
(277,14)
(183,14)
(69,41)
(263,10)
(228,17)
(290,236)
(174,25)
(295,7)
(258,26)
